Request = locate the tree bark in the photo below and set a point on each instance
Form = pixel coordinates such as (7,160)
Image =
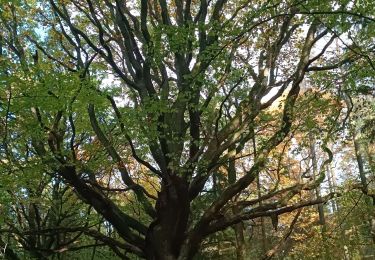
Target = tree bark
(239,227)
(332,186)
(166,233)
(322,221)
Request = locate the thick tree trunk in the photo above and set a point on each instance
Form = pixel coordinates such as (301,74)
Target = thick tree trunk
(167,233)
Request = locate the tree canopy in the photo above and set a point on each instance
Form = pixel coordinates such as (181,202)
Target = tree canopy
(161,129)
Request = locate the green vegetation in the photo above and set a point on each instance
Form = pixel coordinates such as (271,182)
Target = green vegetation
(154,129)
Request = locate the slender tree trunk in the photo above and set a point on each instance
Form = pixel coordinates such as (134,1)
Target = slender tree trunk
(262,224)
(371,162)
(334,183)
(240,241)
(315,172)
(331,185)
(322,221)
(238,228)
(360,161)
(362,175)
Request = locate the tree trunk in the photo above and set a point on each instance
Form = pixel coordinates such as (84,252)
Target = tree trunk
(240,240)
(259,193)
(167,233)
(315,172)
(322,221)
(262,224)
(331,186)
(362,175)
(238,228)
(360,162)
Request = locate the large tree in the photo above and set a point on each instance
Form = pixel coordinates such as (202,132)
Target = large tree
(189,98)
